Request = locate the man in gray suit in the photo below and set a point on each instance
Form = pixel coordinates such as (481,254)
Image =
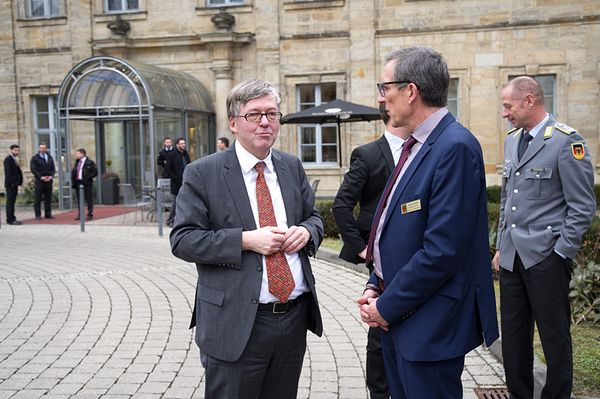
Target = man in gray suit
(547,205)
(246,217)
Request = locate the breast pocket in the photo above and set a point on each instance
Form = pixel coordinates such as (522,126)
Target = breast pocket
(538,183)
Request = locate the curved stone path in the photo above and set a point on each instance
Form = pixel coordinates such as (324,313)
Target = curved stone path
(105,314)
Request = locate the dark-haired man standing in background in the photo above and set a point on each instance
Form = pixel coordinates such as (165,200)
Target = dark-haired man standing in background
(13,178)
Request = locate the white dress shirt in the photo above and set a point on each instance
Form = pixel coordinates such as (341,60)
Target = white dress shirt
(247,162)
(395,144)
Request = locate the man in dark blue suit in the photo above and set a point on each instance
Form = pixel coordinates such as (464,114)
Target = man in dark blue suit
(431,289)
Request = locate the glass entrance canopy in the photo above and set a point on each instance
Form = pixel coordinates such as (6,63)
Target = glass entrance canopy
(151,102)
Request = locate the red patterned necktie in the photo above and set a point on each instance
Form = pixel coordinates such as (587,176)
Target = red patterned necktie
(408,144)
(281,281)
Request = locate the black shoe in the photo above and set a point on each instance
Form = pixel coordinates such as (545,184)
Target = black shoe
(38,218)
(90,217)
(15,223)
(50,217)
(77,218)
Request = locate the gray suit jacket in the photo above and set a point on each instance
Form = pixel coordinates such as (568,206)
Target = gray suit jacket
(548,197)
(213,209)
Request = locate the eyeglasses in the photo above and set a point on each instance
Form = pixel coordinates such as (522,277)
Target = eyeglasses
(382,89)
(254,117)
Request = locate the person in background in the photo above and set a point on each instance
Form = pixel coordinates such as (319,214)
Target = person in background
(13,178)
(547,205)
(371,165)
(222,143)
(176,163)
(163,155)
(83,173)
(43,169)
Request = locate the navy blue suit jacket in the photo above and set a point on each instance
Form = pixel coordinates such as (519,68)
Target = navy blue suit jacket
(439,296)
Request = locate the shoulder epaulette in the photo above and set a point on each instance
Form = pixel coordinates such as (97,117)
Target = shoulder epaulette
(566,129)
(512,130)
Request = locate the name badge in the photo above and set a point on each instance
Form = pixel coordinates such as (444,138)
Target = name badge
(411,206)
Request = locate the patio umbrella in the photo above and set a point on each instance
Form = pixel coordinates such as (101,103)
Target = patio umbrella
(336,111)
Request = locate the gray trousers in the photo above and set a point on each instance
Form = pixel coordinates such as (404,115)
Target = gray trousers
(271,363)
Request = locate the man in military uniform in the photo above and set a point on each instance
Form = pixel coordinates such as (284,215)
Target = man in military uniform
(547,205)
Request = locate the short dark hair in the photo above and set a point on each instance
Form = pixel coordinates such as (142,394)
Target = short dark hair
(167,138)
(427,69)
(179,139)
(224,140)
(12,147)
(82,150)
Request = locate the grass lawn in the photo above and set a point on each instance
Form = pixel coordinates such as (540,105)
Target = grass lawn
(334,244)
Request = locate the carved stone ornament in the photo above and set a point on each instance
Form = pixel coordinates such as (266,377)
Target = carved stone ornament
(119,26)
(223,21)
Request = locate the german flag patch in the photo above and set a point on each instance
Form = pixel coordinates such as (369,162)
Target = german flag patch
(578,151)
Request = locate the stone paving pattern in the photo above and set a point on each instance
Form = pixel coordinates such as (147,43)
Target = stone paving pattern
(105,313)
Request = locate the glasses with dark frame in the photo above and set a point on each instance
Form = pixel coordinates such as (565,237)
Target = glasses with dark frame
(254,117)
(382,86)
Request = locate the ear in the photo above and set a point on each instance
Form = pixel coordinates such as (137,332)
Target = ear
(232,125)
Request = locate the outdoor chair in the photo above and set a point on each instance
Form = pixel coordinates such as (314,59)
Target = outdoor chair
(127,192)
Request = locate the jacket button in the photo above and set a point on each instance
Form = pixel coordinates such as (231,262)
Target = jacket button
(513,225)
(259,268)
(514,208)
(518,173)
(516,191)
(254,301)
(549,227)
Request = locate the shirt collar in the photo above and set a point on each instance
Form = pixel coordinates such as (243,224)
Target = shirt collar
(533,132)
(394,141)
(422,132)
(248,161)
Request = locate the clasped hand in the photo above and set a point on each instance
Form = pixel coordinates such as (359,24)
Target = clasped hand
(369,314)
(268,240)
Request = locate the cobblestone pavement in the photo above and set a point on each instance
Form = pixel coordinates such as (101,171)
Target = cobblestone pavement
(105,314)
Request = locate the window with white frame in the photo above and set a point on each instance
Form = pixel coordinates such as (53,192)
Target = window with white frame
(44,123)
(316,143)
(116,6)
(223,2)
(42,8)
(453,97)
(548,83)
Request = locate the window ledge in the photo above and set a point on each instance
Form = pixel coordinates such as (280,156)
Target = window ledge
(42,21)
(308,4)
(126,16)
(233,8)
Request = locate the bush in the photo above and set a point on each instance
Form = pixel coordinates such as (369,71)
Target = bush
(597,191)
(28,197)
(329,226)
(493,194)
(585,284)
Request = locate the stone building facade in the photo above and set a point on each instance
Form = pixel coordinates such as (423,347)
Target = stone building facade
(313,51)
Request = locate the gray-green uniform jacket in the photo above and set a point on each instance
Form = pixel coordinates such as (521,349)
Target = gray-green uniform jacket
(547,198)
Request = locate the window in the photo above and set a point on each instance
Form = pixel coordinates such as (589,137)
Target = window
(223,2)
(44,123)
(316,143)
(115,6)
(453,97)
(548,83)
(42,8)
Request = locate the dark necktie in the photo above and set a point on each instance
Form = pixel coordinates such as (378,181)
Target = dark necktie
(281,281)
(524,143)
(408,144)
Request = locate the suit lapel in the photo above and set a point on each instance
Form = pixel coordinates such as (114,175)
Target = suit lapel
(384,147)
(425,149)
(237,189)
(284,178)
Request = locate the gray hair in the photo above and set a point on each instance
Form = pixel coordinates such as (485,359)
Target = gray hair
(249,90)
(427,69)
(523,85)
